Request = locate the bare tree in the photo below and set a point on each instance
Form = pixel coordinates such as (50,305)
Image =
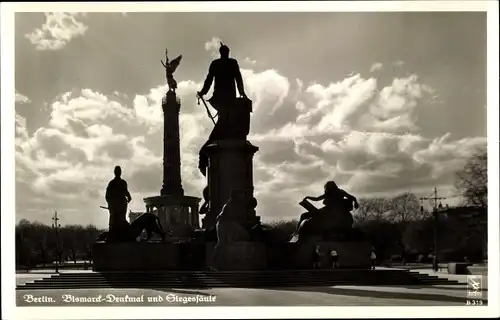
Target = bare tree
(472,180)
(372,209)
(405,207)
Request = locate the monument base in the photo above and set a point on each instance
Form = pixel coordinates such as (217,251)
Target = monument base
(290,256)
(230,167)
(135,256)
(237,256)
(161,256)
(177,214)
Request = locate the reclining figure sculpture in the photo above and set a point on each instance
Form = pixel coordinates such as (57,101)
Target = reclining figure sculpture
(148,222)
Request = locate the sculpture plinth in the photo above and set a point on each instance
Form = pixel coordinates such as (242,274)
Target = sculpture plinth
(177,213)
(230,168)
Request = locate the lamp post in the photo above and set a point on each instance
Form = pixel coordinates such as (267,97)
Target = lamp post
(56,225)
(435,264)
(436,207)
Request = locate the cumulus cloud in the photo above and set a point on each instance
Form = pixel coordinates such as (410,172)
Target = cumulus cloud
(399,63)
(59,28)
(250,61)
(20,98)
(214,43)
(361,135)
(376,66)
(268,91)
(393,108)
(213,46)
(337,102)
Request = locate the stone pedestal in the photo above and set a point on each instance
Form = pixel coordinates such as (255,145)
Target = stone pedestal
(135,256)
(161,256)
(172,184)
(351,254)
(179,214)
(237,256)
(230,167)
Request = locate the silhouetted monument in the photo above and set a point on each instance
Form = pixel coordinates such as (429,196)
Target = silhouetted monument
(232,237)
(170,67)
(176,211)
(333,221)
(129,232)
(226,73)
(228,227)
(120,230)
(172,184)
(227,154)
(117,196)
(233,113)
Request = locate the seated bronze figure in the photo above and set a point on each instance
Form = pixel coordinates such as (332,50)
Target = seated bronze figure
(333,220)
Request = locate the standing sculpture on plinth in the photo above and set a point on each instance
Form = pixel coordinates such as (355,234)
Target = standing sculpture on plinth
(172,183)
(226,158)
(233,113)
(176,211)
(170,67)
(226,73)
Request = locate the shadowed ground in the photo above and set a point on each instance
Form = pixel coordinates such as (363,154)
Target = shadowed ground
(343,295)
(305,296)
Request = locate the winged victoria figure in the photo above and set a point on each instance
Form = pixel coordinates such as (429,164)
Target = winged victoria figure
(170,67)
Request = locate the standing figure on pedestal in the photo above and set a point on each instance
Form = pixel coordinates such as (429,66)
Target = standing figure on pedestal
(233,113)
(227,75)
(170,67)
(117,197)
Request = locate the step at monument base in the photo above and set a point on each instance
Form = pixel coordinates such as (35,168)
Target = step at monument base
(233,279)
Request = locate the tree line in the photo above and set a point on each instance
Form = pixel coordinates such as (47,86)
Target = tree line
(37,244)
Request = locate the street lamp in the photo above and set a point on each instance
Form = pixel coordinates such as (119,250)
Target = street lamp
(56,225)
(435,198)
(435,262)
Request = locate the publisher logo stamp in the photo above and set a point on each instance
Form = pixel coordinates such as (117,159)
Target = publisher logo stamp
(474,286)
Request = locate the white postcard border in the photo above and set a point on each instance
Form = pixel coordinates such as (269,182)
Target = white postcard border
(9,309)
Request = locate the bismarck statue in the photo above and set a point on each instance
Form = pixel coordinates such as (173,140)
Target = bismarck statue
(233,113)
(334,221)
(226,73)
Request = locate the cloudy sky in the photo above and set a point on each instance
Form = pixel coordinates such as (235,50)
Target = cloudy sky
(382,103)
